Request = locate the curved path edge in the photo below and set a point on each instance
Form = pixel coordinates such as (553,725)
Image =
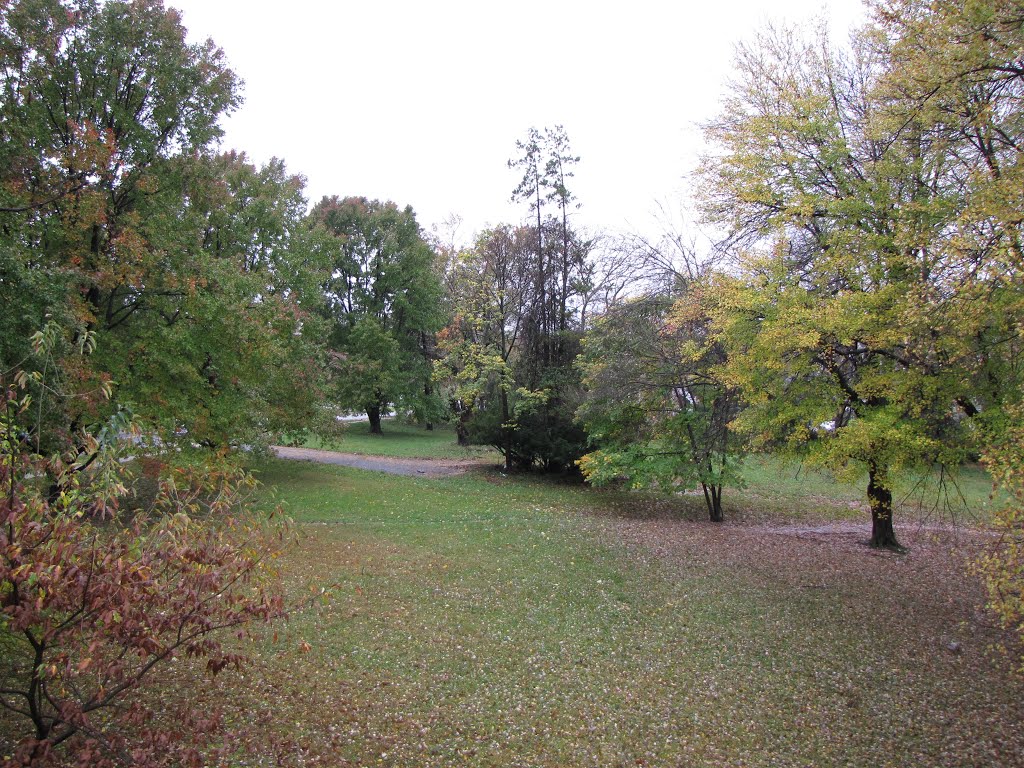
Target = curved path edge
(390,464)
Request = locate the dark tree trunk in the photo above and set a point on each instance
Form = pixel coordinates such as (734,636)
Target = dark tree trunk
(462,425)
(880,498)
(373,414)
(565,273)
(713,499)
(506,430)
(542,285)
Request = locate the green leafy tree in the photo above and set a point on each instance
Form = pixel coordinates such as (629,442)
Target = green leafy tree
(530,414)
(115,218)
(490,287)
(504,392)
(1002,564)
(958,73)
(383,299)
(656,408)
(231,353)
(841,323)
(101,103)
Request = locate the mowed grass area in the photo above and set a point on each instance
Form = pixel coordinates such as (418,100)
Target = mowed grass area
(399,439)
(772,487)
(491,621)
(778,489)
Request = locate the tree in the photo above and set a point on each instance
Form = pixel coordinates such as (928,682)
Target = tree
(547,162)
(1002,564)
(231,354)
(958,78)
(530,190)
(492,286)
(115,218)
(383,298)
(840,324)
(557,172)
(958,73)
(91,608)
(632,264)
(99,102)
(545,388)
(656,409)
(506,396)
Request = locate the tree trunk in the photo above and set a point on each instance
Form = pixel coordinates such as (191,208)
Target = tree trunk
(373,414)
(506,431)
(565,274)
(713,499)
(462,426)
(542,283)
(880,499)
(427,392)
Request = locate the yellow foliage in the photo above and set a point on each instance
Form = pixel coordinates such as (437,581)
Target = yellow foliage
(1002,565)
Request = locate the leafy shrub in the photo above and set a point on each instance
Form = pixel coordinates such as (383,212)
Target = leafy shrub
(94,597)
(1002,565)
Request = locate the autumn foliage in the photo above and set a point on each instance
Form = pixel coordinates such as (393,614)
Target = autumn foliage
(96,597)
(1002,565)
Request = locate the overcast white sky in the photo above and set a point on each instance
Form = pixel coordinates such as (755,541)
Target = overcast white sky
(422,102)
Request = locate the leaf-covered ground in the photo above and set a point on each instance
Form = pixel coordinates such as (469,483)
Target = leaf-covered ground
(487,621)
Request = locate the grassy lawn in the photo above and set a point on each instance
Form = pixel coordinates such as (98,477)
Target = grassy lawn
(490,621)
(774,488)
(400,440)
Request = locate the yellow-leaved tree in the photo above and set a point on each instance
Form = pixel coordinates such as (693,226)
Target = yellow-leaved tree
(871,318)
(958,70)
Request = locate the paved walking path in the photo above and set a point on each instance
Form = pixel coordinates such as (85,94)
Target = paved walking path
(389,464)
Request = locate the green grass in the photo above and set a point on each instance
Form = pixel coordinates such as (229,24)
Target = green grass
(399,439)
(773,486)
(490,621)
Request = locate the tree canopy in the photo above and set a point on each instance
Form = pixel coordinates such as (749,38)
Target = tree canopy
(657,411)
(852,328)
(384,303)
(119,219)
(519,303)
